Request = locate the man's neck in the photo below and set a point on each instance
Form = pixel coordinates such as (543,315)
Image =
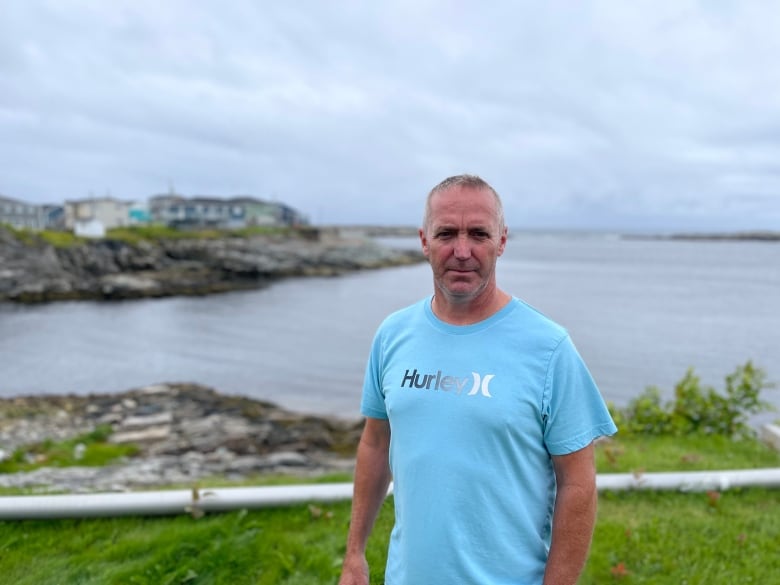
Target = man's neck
(468,312)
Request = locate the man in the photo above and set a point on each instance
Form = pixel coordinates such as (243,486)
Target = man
(484,415)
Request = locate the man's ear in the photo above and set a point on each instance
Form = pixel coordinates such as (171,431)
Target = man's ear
(423,241)
(502,242)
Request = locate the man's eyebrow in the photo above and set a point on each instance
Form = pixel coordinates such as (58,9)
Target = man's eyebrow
(469,228)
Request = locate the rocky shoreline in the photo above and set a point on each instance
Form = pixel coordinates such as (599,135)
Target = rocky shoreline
(32,270)
(184,433)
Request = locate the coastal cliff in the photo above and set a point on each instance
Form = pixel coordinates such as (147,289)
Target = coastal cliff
(33,270)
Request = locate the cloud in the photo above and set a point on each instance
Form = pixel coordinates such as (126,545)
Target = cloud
(597,114)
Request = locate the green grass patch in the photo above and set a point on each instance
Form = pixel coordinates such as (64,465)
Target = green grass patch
(153,233)
(89,450)
(696,538)
(637,453)
(298,545)
(156,233)
(58,239)
(641,538)
(61,239)
(147,233)
(269,230)
(26,236)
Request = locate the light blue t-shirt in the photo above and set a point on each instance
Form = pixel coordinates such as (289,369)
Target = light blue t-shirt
(475,412)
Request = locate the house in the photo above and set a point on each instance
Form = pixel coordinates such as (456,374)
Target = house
(53,217)
(210,212)
(290,216)
(138,213)
(21,215)
(258,212)
(201,212)
(92,217)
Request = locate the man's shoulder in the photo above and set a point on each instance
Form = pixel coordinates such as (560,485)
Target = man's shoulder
(529,319)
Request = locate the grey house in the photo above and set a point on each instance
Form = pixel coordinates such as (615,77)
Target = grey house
(22,215)
(210,212)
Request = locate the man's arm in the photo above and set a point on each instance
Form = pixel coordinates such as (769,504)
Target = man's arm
(372,478)
(574,517)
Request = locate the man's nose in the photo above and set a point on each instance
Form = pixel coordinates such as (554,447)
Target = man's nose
(462,249)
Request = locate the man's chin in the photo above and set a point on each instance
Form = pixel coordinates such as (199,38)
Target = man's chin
(461,291)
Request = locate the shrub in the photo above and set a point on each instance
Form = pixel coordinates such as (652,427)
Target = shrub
(696,409)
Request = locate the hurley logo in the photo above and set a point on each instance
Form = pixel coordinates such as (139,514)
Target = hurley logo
(438,381)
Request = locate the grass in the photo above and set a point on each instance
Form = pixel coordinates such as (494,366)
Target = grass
(635,453)
(667,537)
(58,239)
(90,450)
(641,537)
(156,233)
(290,545)
(153,233)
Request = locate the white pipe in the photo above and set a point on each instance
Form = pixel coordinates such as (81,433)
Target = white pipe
(690,481)
(158,503)
(198,501)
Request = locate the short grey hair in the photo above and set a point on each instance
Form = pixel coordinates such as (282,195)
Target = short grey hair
(469,181)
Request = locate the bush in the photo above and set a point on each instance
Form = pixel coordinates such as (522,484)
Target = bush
(696,409)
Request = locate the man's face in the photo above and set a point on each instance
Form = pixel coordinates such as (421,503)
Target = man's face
(462,241)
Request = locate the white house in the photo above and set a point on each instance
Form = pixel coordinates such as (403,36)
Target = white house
(92,217)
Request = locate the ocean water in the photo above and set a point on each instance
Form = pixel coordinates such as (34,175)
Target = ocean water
(641,312)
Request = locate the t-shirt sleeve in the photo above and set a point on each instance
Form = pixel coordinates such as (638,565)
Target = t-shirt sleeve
(573,410)
(372,403)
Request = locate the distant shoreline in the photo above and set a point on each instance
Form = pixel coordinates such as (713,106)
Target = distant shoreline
(376,231)
(757,236)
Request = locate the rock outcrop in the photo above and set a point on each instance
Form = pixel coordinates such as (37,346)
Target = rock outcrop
(184,433)
(32,270)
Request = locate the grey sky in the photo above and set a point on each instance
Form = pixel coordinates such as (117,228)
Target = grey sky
(612,114)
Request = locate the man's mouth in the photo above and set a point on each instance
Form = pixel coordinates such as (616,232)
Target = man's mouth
(460,271)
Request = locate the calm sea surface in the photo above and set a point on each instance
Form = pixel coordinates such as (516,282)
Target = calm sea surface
(641,312)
